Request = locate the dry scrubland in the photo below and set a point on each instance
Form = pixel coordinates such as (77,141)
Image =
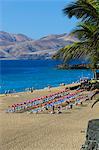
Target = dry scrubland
(24,131)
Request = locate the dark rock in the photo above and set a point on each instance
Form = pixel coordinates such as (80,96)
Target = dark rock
(92,136)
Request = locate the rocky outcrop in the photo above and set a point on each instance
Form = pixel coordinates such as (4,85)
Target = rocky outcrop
(92,136)
(19,46)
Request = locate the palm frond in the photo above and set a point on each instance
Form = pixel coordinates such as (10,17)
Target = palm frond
(84,9)
(95,103)
(75,50)
(84,31)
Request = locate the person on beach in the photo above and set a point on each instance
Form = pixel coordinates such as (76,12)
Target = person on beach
(59,109)
(53,109)
(71,106)
(81,103)
(31,90)
(49,88)
(6,93)
(45,108)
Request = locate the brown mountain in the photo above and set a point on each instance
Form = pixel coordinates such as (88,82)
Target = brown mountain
(19,46)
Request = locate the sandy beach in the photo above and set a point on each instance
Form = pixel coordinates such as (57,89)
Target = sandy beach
(24,131)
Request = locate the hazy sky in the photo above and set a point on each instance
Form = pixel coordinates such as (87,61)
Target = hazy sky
(35,18)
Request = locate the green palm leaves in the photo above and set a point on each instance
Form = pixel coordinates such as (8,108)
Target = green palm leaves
(87,31)
(87,10)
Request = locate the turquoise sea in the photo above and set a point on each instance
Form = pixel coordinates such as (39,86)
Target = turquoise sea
(21,74)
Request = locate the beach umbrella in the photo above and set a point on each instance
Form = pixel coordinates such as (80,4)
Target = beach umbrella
(44,96)
(49,95)
(43,104)
(35,99)
(28,101)
(32,100)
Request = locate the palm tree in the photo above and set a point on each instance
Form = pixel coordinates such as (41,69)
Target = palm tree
(87,32)
(88,45)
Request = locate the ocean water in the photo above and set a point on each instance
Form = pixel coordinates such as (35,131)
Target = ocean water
(22,74)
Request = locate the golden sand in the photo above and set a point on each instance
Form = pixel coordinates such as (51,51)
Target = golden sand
(24,131)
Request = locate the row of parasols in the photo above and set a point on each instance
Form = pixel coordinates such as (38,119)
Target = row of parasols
(62,98)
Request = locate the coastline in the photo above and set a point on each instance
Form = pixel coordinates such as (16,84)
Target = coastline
(52,89)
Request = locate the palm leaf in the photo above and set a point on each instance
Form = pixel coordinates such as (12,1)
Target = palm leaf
(76,50)
(85,31)
(95,103)
(84,9)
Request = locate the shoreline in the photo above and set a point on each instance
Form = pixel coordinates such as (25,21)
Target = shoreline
(43,89)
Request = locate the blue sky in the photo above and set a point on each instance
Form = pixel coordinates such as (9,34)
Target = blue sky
(35,18)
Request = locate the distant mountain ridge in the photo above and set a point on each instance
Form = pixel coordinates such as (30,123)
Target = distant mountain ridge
(19,46)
